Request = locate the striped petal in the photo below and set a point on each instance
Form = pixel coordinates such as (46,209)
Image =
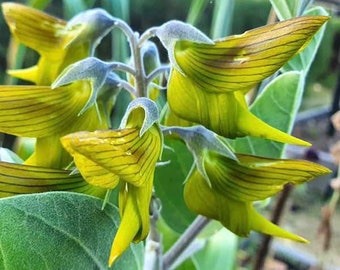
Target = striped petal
(37,111)
(23,179)
(239,62)
(47,35)
(123,152)
(226,114)
(237,216)
(256,178)
(35,29)
(134,205)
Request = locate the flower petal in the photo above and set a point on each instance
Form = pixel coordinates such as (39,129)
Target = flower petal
(237,216)
(23,179)
(37,111)
(134,205)
(239,62)
(122,152)
(224,113)
(256,178)
(35,29)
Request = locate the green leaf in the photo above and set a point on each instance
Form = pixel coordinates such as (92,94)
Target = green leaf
(285,9)
(222,18)
(284,95)
(60,230)
(168,184)
(71,8)
(119,9)
(303,60)
(219,252)
(196,10)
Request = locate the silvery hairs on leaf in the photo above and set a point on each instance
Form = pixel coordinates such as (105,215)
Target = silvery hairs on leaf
(92,69)
(172,31)
(200,140)
(94,23)
(150,109)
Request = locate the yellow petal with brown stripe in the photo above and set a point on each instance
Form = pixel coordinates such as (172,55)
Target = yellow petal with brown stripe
(239,62)
(122,152)
(38,111)
(35,29)
(23,179)
(240,217)
(224,113)
(256,178)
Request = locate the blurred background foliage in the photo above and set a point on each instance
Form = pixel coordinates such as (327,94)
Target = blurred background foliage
(216,18)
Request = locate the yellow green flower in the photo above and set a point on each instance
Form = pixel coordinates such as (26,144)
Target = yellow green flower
(59,43)
(209,79)
(39,111)
(126,157)
(233,185)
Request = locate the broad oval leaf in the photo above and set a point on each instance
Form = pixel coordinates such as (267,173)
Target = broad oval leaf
(60,230)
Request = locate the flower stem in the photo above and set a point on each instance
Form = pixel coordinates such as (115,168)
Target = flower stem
(184,241)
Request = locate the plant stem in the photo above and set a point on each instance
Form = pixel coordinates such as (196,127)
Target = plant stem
(184,241)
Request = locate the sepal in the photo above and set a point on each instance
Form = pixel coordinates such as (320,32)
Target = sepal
(92,69)
(144,119)
(172,31)
(92,25)
(200,141)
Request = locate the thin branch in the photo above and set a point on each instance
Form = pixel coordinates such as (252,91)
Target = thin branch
(156,72)
(123,67)
(126,29)
(128,87)
(184,241)
(149,33)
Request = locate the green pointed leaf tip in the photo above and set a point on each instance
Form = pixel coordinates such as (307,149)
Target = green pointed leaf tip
(61,230)
(94,23)
(92,69)
(151,113)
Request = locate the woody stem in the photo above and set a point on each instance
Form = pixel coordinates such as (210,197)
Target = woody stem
(184,241)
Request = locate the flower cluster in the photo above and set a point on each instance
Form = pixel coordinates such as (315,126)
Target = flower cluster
(68,110)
